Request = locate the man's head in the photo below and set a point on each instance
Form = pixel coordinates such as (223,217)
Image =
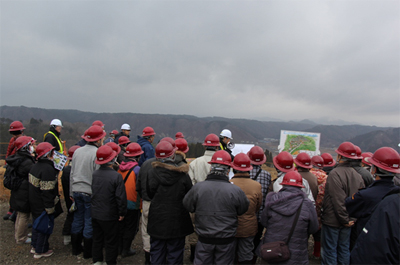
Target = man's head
(16,128)
(242,163)
(126,129)
(56,124)
(220,163)
(346,152)
(385,162)
(165,152)
(292,178)
(94,135)
(283,162)
(211,142)
(303,161)
(225,136)
(105,156)
(133,151)
(148,133)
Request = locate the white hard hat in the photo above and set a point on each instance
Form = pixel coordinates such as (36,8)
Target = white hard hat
(56,122)
(126,126)
(226,133)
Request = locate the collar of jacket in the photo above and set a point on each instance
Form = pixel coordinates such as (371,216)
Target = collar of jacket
(183,168)
(53,130)
(217,177)
(241,175)
(344,164)
(181,154)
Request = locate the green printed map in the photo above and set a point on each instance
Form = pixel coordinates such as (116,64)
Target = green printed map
(294,143)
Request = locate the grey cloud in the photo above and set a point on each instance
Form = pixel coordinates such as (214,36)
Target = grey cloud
(214,58)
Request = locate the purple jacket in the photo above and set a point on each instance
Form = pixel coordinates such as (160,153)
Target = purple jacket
(278,217)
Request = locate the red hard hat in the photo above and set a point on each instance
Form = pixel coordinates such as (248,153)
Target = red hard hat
(257,156)
(105,154)
(71,151)
(133,149)
(386,158)
(114,147)
(23,141)
(303,160)
(43,148)
(211,140)
(123,140)
(182,145)
(164,149)
(221,157)
(242,162)
(179,135)
(348,150)
(16,126)
(293,178)
(148,131)
(169,140)
(94,133)
(284,162)
(358,152)
(364,155)
(98,123)
(328,160)
(317,161)
(114,132)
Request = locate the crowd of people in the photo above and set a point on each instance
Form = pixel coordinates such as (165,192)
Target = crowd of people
(227,208)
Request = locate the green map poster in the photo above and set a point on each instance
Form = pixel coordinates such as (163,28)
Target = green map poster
(299,142)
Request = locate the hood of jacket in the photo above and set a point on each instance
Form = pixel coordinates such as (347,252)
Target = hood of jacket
(126,165)
(16,159)
(169,173)
(180,157)
(286,201)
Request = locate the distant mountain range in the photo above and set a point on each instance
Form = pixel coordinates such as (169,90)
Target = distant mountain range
(369,138)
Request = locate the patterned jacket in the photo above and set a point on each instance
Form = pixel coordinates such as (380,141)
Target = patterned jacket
(264,178)
(43,187)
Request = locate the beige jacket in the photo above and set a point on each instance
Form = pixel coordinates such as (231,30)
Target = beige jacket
(248,224)
(199,168)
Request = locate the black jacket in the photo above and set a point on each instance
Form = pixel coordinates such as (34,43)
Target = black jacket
(361,204)
(108,194)
(378,242)
(142,177)
(167,187)
(51,139)
(43,187)
(119,135)
(23,161)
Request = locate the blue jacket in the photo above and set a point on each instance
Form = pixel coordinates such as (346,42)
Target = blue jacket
(147,148)
(362,203)
(379,240)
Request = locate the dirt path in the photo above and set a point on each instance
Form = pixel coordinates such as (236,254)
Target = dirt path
(11,253)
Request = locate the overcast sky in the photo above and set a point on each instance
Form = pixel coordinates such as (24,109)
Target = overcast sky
(287,60)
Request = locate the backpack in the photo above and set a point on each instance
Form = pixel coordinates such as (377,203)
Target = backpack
(11,180)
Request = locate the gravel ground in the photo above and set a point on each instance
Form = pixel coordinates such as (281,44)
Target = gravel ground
(11,253)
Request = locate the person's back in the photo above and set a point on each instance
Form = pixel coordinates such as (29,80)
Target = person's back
(82,169)
(342,182)
(217,203)
(278,217)
(166,188)
(108,194)
(199,168)
(378,243)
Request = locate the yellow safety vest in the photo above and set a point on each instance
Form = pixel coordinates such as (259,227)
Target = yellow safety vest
(58,140)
